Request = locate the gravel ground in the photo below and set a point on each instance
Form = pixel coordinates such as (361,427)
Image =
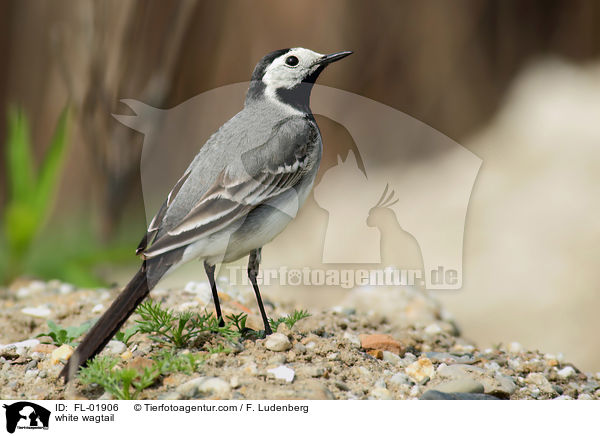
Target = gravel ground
(380,343)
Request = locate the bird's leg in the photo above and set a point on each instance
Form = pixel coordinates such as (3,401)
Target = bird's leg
(253,263)
(210,272)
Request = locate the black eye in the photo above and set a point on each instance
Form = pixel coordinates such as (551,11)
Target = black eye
(292,61)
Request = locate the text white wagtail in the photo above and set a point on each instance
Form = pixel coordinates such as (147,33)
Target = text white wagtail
(240,191)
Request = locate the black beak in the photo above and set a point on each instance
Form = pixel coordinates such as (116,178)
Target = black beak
(327,59)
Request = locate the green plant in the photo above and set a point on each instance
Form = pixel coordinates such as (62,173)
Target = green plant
(238,321)
(169,362)
(30,190)
(179,329)
(289,320)
(125,336)
(119,382)
(219,348)
(65,335)
(128,383)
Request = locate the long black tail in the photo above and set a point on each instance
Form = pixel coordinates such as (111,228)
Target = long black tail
(109,323)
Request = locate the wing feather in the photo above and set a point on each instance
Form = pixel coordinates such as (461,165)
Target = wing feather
(235,193)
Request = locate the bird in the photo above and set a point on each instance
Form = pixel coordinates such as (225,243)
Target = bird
(240,191)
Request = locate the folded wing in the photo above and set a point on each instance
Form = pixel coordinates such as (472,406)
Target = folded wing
(257,177)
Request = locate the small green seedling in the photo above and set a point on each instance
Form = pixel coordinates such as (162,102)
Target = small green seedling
(289,320)
(170,362)
(238,321)
(125,336)
(179,329)
(117,381)
(219,348)
(65,335)
(128,383)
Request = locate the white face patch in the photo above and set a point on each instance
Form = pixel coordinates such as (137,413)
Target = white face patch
(281,75)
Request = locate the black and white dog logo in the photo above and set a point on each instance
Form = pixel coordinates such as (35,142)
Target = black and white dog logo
(26,415)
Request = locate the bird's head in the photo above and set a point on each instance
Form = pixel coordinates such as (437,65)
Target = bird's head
(287,75)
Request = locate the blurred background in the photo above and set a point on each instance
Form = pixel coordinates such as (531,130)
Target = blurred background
(517,82)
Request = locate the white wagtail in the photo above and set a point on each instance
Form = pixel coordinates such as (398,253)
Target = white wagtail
(240,191)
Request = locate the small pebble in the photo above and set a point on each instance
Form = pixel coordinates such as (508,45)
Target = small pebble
(566,372)
(277,359)
(408,359)
(380,342)
(380,394)
(278,342)
(283,372)
(203,386)
(361,371)
(392,358)
(61,353)
(400,379)
(492,366)
(464,384)
(438,395)
(314,371)
(433,329)
(380,383)
(250,368)
(9,352)
(116,347)
(467,348)
(31,365)
(32,373)
(449,358)
(300,348)
(420,370)
(353,339)
(538,379)
(39,311)
(284,329)
(20,348)
(507,385)
(44,348)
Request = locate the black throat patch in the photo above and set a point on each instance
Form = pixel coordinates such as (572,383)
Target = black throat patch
(299,96)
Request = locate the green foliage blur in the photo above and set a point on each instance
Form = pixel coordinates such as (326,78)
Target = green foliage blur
(29,190)
(68,251)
